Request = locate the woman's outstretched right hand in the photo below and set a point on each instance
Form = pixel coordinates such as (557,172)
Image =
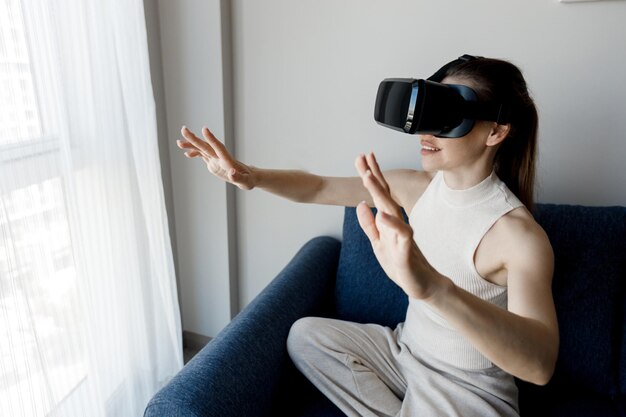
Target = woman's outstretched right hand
(217,158)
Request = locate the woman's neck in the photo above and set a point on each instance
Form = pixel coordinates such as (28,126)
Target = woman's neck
(464,178)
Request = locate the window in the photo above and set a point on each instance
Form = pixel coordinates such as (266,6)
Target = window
(38,282)
(19,114)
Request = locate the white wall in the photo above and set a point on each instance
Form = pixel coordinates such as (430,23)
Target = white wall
(305,75)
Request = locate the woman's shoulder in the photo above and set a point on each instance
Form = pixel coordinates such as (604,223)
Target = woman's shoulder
(410,177)
(520,244)
(407,185)
(519,228)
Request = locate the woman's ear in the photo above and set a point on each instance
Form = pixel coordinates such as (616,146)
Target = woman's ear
(498,133)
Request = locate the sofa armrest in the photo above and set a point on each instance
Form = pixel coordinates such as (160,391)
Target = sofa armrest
(237,372)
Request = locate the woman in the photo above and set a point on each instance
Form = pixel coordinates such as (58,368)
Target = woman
(475,265)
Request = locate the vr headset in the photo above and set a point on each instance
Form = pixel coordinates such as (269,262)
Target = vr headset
(430,107)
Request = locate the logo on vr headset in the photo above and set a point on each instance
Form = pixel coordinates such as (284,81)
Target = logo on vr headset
(430,107)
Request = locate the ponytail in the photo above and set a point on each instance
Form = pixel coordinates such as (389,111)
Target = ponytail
(501,81)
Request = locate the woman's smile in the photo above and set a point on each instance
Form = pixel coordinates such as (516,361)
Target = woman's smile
(428,148)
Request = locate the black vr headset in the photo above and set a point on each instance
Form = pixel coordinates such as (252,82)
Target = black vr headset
(430,107)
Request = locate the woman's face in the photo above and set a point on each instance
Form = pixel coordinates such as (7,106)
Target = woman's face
(452,153)
(448,154)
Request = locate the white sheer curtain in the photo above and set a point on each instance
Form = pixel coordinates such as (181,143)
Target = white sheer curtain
(89,318)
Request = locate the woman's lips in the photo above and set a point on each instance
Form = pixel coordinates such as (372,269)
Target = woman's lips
(428,148)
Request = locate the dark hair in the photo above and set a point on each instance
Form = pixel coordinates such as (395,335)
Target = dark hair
(501,81)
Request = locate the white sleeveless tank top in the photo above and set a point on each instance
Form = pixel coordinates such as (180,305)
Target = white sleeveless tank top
(448,225)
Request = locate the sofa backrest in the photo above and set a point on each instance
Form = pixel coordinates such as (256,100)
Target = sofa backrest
(589,281)
(363,292)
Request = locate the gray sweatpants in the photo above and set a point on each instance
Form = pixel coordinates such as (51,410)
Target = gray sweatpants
(366,370)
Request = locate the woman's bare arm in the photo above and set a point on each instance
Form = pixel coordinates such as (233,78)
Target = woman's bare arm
(524,340)
(296,185)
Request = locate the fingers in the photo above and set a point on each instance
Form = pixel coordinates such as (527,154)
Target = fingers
(218,147)
(191,150)
(375,183)
(384,227)
(380,195)
(368,162)
(367,221)
(193,153)
(202,146)
(373,164)
(396,225)
(361,165)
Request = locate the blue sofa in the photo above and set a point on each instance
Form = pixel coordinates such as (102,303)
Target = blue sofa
(245,371)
